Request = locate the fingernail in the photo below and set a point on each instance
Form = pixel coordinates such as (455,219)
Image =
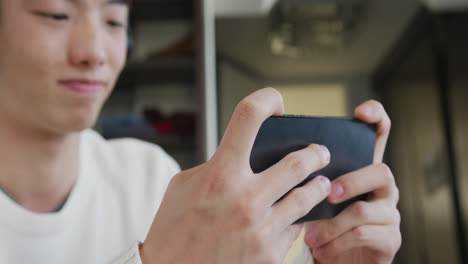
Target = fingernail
(325,184)
(336,191)
(326,152)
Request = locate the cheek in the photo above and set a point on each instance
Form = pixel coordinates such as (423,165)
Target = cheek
(117,54)
(31,53)
(28,66)
(30,75)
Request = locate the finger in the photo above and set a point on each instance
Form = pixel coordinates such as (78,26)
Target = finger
(300,201)
(383,241)
(246,121)
(277,180)
(377,180)
(373,112)
(360,213)
(287,239)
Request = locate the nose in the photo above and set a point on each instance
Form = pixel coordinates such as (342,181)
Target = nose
(87,47)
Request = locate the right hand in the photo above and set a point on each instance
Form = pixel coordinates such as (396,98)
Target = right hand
(221,212)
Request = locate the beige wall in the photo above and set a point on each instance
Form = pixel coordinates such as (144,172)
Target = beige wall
(332,97)
(315,100)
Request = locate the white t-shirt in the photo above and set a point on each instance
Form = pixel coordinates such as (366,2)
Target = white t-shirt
(111,207)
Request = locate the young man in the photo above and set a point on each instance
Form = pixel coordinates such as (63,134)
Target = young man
(69,196)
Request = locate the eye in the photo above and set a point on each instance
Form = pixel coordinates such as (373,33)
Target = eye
(116,24)
(53,16)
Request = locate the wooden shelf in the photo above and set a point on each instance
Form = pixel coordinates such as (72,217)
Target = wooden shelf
(153,10)
(161,71)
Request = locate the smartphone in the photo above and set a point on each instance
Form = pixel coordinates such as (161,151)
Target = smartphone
(351,144)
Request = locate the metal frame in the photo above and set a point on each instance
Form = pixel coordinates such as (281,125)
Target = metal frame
(206,78)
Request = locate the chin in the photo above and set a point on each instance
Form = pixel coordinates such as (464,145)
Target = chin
(77,122)
(73,127)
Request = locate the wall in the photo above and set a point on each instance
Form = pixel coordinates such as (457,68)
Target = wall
(314,99)
(329,97)
(459,99)
(420,165)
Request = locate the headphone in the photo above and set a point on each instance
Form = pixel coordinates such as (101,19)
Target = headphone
(129,39)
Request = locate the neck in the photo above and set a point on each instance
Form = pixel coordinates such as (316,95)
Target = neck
(38,169)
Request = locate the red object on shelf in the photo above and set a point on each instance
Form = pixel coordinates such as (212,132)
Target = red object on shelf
(180,124)
(164,127)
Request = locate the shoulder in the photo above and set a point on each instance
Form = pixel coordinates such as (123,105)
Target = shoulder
(130,178)
(134,167)
(127,152)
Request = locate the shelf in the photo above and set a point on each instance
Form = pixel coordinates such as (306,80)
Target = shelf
(154,10)
(161,71)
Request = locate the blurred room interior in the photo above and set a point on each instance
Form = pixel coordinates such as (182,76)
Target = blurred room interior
(191,62)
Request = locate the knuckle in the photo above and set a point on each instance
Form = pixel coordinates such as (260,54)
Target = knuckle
(397,242)
(245,212)
(258,243)
(323,190)
(385,169)
(217,184)
(386,120)
(396,216)
(319,153)
(396,191)
(387,173)
(376,104)
(394,244)
(274,92)
(360,233)
(296,164)
(328,232)
(396,194)
(360,210)
(249,108)
(299,196)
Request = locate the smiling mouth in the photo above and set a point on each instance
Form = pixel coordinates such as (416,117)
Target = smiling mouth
(83,86)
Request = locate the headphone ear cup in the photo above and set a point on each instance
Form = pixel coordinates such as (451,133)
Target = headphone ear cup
(129,40)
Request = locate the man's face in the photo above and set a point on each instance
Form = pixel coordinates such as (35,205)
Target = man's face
(59,60)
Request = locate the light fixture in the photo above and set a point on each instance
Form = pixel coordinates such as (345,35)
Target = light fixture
(301,28)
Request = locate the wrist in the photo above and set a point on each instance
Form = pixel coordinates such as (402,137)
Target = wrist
(144,254)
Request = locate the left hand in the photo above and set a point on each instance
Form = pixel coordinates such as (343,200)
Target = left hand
(367,231)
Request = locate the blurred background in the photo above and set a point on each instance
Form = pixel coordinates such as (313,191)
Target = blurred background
(192,61)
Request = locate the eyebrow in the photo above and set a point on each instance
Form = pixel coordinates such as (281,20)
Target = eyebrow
(122,2)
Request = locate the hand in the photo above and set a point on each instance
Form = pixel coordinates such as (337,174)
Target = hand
(366,231)
(221,212)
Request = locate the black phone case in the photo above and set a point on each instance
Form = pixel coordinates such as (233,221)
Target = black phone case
(350,142)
